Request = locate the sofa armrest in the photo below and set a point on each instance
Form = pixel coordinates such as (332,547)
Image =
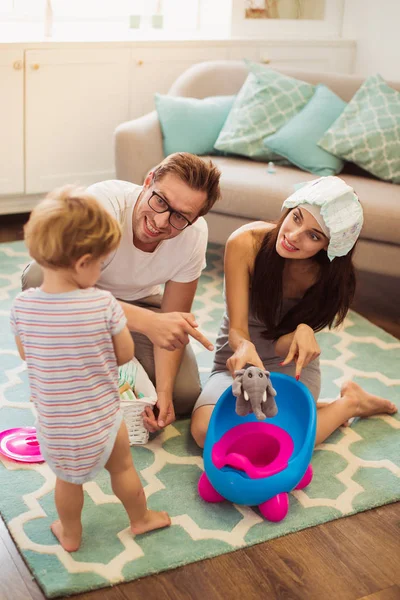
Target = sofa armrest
(211,78)
(138,147)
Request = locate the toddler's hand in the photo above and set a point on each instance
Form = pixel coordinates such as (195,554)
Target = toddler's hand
(149,420)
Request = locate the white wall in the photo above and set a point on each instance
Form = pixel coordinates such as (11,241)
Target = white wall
(375,24)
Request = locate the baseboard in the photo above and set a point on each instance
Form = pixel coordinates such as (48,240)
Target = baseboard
(10,205)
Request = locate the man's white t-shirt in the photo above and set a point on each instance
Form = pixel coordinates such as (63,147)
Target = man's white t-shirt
(131,274)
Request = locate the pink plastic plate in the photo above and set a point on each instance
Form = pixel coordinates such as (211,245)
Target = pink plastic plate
(20,444)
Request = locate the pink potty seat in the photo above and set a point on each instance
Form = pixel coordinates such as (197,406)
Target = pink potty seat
(258,449)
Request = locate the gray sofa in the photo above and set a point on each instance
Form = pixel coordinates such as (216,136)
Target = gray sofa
(249,192)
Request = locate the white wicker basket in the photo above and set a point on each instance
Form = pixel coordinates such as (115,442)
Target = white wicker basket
(132,407)
(132,411)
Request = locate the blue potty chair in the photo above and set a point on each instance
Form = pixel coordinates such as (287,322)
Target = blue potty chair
(259,462)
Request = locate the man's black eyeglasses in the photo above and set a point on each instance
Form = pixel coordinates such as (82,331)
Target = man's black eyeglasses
(160,205)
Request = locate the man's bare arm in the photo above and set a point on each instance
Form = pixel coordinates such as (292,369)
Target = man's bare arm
(177,297)
(167,330)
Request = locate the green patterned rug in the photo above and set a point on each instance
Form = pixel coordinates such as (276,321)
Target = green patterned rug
(356,469)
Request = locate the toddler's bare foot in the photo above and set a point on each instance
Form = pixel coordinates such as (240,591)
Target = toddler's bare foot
(69,543)
(365,404)
(153,519)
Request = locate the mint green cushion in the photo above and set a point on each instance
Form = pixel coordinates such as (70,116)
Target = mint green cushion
(266,101)
(190,124)
(297,140)
(367,132)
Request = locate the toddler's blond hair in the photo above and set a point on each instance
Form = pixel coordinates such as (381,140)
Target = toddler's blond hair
(68,224)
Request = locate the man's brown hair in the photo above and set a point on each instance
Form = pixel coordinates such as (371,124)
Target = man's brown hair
(198,173)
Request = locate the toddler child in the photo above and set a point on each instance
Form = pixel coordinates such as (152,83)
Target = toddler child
(73,337)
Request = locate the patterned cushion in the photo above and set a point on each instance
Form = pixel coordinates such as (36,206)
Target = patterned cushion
(368,130)
(266,101)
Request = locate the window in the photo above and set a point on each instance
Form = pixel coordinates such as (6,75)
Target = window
(22,9)
(190,15)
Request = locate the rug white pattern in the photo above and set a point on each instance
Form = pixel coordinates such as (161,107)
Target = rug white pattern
(356,469)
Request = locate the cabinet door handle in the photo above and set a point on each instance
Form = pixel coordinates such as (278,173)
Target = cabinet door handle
(17,65)
(265,61)
(35,66)
(139,62)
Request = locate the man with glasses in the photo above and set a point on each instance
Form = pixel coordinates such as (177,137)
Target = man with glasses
(164,240)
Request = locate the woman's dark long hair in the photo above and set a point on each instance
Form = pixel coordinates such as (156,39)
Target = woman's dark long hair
(325,303)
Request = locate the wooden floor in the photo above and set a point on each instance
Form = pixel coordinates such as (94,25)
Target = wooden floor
(355,558)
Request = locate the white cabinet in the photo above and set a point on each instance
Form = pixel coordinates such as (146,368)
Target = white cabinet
(311,56)
(11,121)
(57,124)
(75,98)
(154,69)
(308,55)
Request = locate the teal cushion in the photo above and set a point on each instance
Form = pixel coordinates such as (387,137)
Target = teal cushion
(265,102)
(367,133)
(190,124)
(297,140)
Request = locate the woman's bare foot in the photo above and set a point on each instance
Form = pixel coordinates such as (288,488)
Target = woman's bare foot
(365,404)
(153,519)
(69,543)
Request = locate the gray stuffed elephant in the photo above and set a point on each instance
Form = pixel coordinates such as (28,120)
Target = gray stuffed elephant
(254,392)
